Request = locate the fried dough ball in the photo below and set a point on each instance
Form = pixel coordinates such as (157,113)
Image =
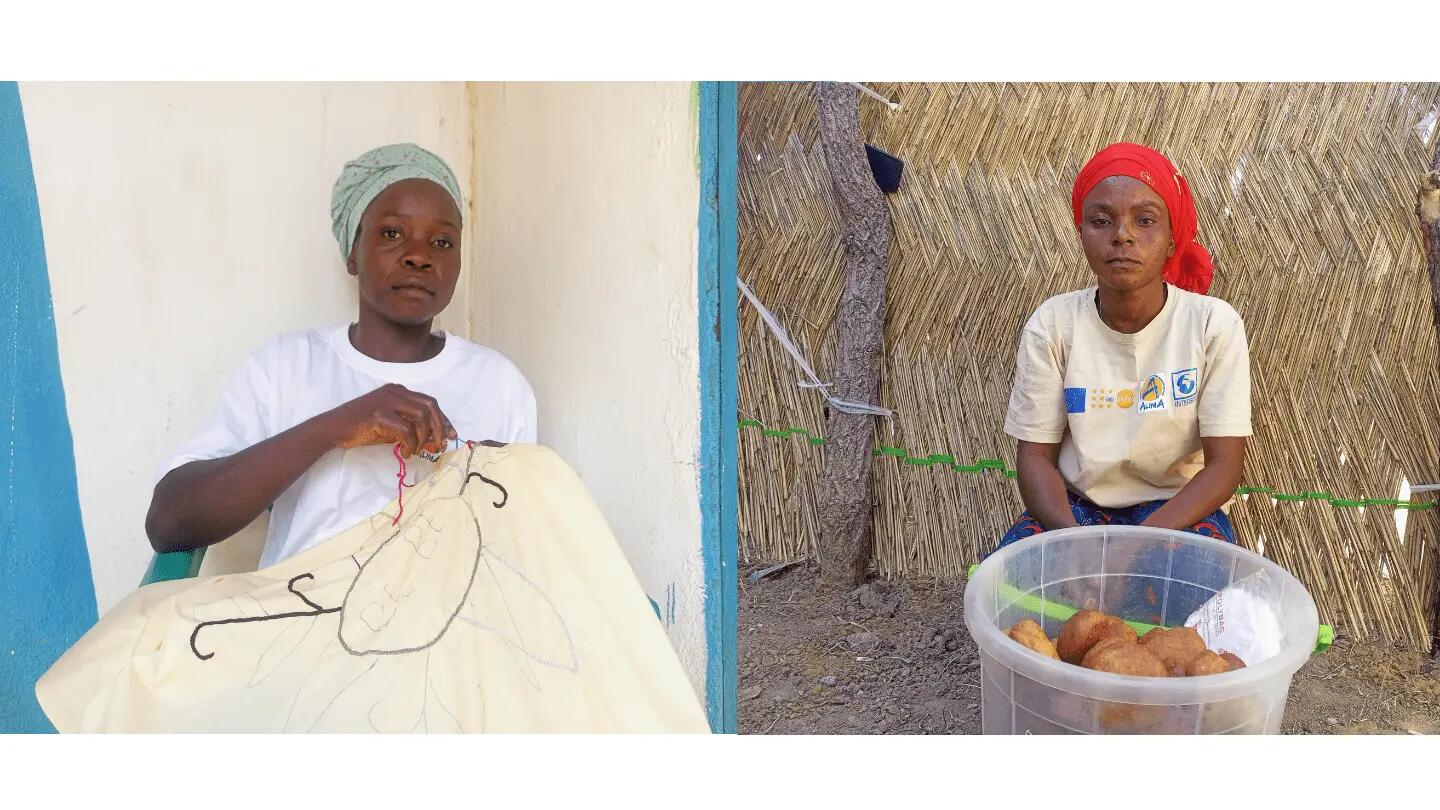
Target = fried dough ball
(1175,647)
(1235,662)
(1031,635)
(1124,658)
(1107,641)
(1126,718)
(1207,663)
(1086,628)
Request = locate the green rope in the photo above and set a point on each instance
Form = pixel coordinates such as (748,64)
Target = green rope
(998,465)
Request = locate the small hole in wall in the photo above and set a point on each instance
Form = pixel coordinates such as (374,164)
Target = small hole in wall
(1402,516)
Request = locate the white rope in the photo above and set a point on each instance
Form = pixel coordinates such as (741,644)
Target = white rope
(893,105)
(844,406)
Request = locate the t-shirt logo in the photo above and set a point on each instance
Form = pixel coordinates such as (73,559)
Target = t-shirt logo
(1102,398)
(1186,384)
(1152,394)
(1105,398)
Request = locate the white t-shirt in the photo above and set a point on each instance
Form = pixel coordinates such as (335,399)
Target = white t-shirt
(1129,410)
(299,375)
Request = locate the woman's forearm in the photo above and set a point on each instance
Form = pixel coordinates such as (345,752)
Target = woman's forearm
(1041,486)
(204,502)
(1197,500)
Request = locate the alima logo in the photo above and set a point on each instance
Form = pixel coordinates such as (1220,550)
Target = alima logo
(1152,394)
(1186,384)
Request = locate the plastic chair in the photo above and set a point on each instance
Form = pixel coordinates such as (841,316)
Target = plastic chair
(174,565)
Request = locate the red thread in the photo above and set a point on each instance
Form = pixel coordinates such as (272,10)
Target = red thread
(400,485)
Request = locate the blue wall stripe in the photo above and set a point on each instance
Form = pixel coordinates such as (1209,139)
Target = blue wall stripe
(47,597)
(718,381)
(729,381)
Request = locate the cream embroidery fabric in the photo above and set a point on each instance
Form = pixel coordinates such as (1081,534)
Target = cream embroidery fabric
(499,602)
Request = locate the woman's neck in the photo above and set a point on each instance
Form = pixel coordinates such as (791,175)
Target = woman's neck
(1129,311)
(389,342)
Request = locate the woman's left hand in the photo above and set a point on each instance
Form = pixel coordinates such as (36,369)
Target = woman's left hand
(1209,490)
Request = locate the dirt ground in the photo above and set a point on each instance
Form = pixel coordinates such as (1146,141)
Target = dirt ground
(893,657)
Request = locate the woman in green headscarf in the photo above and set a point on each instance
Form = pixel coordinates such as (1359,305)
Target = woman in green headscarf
(314,423)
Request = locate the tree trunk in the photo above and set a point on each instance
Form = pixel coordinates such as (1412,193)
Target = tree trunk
(847,486)
(1427,210)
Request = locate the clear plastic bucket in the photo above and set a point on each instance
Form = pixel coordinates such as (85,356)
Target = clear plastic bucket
(1145,576)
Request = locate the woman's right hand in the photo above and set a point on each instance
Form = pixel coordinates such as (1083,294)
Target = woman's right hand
(391,414)
(204,502)
(1042,488)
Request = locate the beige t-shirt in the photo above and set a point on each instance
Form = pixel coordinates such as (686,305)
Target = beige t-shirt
(1129,410)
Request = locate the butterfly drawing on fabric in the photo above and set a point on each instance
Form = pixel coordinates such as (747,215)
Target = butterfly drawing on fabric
(398,618)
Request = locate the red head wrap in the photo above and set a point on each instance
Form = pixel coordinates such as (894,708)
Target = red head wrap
(1191,268)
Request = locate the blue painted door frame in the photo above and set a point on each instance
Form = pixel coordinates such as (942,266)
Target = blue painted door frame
(47,597)
(718,383)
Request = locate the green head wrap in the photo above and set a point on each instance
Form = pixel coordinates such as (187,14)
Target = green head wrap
(365,177)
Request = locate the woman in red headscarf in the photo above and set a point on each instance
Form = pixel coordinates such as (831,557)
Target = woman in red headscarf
(1131,402)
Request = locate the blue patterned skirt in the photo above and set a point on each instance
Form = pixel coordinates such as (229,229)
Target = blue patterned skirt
(1088,514)
(1194,573)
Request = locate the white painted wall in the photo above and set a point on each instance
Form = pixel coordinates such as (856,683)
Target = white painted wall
(185,224)
(585,273)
